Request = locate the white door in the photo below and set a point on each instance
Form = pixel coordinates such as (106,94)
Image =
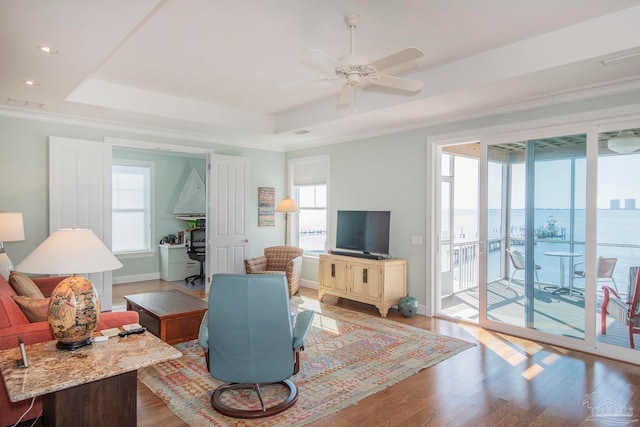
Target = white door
(80,195)
(228,194)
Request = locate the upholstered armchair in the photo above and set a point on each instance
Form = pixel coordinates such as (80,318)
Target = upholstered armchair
(278,259)
(252,340)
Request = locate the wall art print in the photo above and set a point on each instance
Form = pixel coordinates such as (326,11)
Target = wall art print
(266,207)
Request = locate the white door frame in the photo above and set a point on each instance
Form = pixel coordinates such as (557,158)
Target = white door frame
(207,153)
(590,123)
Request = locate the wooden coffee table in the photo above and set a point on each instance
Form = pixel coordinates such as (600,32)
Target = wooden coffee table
(172,316)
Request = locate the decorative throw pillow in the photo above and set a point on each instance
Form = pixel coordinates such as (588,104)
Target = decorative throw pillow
(24,286)
(36,309)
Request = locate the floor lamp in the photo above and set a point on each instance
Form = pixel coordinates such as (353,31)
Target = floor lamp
(287,205)
(11,230)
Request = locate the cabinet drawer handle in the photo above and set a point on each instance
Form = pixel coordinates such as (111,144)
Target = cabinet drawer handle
(365,275)
(333,270)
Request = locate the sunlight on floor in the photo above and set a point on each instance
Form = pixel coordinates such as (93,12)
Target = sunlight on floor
(532,371)
(322,322)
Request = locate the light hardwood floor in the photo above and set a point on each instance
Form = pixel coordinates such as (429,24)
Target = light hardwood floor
(502,381)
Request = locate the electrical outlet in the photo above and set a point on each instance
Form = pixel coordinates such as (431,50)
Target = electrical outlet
(416,240)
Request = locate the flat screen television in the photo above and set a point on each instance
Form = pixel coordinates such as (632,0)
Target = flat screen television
(363,231)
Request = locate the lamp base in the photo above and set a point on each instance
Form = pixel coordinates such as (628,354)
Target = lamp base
(5,263)
(74,312)
(74,345)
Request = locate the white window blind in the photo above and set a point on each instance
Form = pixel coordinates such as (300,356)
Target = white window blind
(309,178)
(311,172)
(131,208)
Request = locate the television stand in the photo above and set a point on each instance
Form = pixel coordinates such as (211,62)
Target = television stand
(377,282)
(358,254)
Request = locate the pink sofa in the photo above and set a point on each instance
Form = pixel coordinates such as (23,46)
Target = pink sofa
(13,322)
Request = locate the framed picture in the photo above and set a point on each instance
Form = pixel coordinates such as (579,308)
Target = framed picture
(266,207)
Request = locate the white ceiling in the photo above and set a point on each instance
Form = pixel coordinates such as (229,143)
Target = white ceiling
(235,71)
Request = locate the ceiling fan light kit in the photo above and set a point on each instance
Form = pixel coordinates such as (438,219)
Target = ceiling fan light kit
(625,142)
(356,69)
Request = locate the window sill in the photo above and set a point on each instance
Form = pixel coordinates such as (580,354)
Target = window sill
(129,255)
(312,256)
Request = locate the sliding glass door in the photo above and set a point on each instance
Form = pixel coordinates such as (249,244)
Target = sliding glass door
(536,192)
(558,241)
(618,242)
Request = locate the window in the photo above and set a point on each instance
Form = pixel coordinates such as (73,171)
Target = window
(131,207)
(312,218)
(309,188)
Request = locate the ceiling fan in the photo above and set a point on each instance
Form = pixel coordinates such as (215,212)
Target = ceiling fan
(355,68)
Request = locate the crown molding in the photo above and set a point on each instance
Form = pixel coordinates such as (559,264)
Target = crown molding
(584,93)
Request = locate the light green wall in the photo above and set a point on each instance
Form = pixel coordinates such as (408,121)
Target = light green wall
(386,172)
(390,173)
(24,163)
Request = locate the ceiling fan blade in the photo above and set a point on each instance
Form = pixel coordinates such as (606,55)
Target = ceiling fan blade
(400,57)
(346,95)
(395,82)
(334,63)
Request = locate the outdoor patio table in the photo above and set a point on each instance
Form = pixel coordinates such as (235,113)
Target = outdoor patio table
(563,255)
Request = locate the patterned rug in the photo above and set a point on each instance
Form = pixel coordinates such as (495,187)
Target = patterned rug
(348,356)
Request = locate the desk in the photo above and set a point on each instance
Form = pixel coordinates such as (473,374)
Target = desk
(563,255)
(175,263)
(95,385)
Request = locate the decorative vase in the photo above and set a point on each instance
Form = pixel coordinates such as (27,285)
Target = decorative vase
(408,306)
(74,311)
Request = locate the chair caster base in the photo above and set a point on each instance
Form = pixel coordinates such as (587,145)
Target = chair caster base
(218,405)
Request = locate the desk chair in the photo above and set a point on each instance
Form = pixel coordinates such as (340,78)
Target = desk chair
(196,252)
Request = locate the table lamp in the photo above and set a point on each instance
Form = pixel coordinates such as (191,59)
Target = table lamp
(11,230)
(287,205)
(74,309)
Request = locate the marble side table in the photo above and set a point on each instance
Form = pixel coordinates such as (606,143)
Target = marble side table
(95,385)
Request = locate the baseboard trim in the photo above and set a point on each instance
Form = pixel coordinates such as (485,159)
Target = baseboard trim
(309,284)
(135,278)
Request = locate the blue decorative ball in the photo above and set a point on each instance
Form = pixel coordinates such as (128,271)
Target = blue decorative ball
(408,306)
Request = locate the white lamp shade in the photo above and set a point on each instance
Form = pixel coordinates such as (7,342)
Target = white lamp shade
(624,143)
(11,227)
(287,205)
(70,251)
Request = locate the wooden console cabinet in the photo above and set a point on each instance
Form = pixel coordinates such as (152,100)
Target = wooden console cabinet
(377,282)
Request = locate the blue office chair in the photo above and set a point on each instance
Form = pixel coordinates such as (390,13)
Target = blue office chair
(251,339)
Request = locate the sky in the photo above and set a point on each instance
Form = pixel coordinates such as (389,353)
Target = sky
(618,178)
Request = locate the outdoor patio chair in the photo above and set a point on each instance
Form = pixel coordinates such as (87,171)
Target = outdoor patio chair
(604,270)
(517,260)
(626,311)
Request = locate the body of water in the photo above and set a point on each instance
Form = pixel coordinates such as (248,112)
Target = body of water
(618,234)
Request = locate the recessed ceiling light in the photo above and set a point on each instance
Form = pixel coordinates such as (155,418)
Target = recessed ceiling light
(31,83)
(48,49)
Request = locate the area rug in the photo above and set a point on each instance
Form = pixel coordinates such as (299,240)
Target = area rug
(348,356)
